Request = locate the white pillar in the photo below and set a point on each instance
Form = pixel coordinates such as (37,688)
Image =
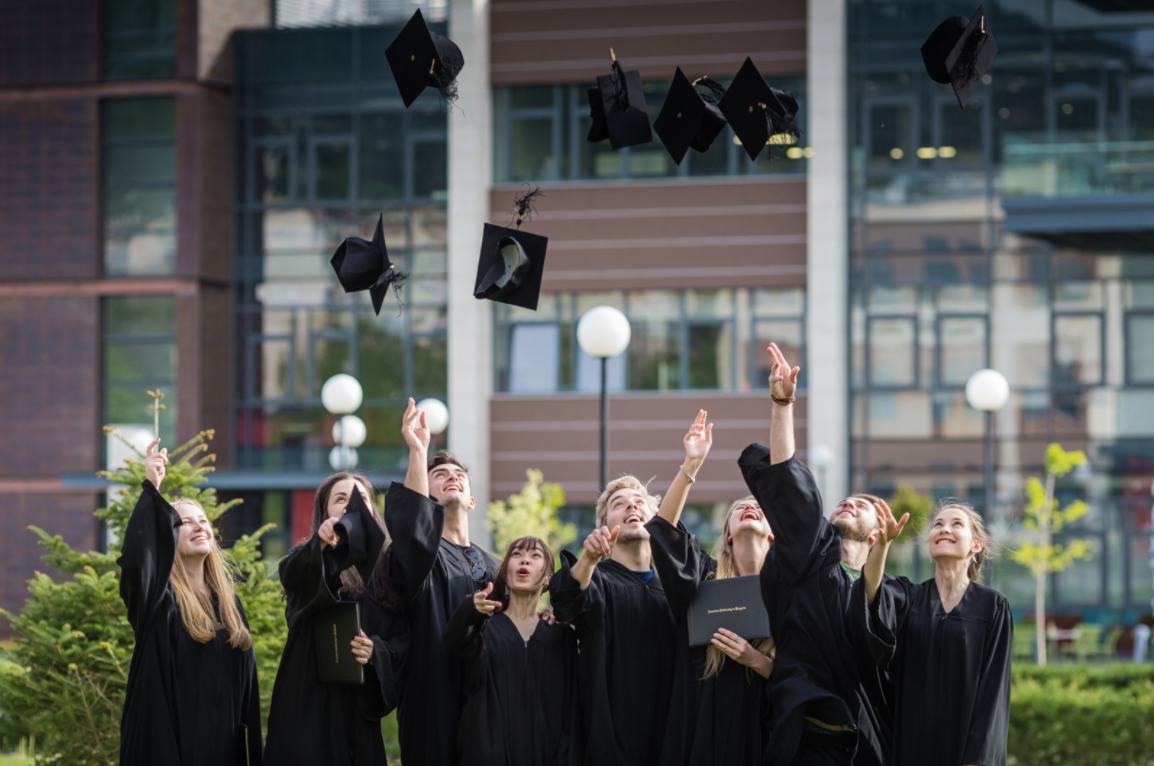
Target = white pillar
(470,320)
(827,237)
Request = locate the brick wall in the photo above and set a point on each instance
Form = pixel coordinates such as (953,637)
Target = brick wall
(48,42)
(48,189)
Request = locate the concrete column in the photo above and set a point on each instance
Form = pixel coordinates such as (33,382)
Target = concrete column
(827,237)
(470,320)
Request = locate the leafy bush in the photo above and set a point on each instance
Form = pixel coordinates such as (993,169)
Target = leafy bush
(74,647)
(532,511)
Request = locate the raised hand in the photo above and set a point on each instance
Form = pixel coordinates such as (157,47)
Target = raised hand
(599,544)
(697,442)
(327,532)
(155,464)
(414,429)
(482,602)
(741,651)
(362,648)
(891,528)
(782,378)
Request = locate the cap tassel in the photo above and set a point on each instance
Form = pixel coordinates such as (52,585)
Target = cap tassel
(716,88)
(966,67)
(779,125)
(620,86)
(395,279)
(524,204)
(445,81)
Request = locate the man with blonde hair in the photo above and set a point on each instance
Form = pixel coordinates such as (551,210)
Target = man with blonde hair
(613,589)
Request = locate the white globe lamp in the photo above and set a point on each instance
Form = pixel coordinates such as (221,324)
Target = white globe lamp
(342,394)
(342,458)
(350,431)
(603,332)
(821,456)
(987,390)
(436,415)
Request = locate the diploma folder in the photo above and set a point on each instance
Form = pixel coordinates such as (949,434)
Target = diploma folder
(734,604)
(333,633)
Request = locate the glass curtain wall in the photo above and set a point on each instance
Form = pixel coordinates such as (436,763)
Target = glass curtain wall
(939,289)
(326,148)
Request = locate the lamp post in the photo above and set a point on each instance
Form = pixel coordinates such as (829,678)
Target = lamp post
(603,332)
(342,395)
(988,391)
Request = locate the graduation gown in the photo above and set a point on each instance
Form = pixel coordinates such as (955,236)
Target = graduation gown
(187,703)
(629,642)
(818,670)
(951,671)
(433,577)
(339,724)
(521,705)
(724,719)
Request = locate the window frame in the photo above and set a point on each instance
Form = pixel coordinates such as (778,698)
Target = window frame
(939,383)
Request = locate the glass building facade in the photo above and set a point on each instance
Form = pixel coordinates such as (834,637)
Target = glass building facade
(947,276)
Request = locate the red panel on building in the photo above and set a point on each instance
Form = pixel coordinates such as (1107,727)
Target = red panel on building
(302,514)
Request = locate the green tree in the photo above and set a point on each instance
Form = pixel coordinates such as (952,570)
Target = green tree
(1043,518)
(532,511)
(920,507)
(74,645)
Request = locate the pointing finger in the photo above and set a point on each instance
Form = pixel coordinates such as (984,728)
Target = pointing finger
(149,452)
(709,433)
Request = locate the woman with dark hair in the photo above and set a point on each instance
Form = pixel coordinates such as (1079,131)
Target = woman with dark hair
(192,695)
(311,722)
(520,671)
(946,643)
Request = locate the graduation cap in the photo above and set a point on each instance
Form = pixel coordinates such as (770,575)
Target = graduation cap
(362,265)
(360,538)
(959,52)
(617,107)
(756,111)
(421,58)
(688,118)
(512,261)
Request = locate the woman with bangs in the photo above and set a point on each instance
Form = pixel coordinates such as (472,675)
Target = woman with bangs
(946,643)
(345,559)
(192,695)
(727,718)
(520,685)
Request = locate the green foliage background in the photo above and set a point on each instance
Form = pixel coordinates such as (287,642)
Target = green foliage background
(67,670)
(532,511)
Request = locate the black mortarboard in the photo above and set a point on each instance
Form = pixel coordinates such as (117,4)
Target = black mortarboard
(620,106)
(959,52)
(360,538)
(420,57)
(362,265)
(756,111)
(688,118)
(512,261)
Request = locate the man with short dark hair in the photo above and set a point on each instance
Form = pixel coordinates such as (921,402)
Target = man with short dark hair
(434,567)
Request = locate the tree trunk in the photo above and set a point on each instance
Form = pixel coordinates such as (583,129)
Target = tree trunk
(1044,565)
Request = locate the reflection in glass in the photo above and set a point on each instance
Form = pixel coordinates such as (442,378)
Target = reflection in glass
(892,353)
(533,155)
(711,355)
(1140,349)
(534,358)
(961,348)
(890,136)
(382,156)
(332,171)
(1077,350)
(787,334)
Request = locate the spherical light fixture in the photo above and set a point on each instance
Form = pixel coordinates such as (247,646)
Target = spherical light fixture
(342,394)
(342,458)
(987,390)
(821,456)
(352,429)
(436,415)
(603,332)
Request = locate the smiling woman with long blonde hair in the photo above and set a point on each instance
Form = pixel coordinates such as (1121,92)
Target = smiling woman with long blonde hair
(192,694)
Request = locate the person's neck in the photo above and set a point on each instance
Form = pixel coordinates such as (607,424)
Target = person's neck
(194,570)
(523,606)
(854,553)
(749,550)
(634,555)
(456,529)
(952,577)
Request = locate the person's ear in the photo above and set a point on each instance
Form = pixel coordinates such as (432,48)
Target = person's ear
(873,538)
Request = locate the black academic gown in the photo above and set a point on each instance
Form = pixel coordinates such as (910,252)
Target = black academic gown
(187,703)
(818,671)
(629,642)
(339,724)
(951,671)
(433,577)
(521,706)
(724,718)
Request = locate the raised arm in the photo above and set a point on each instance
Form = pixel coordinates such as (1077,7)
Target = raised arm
(598,545)
(415,521)
(782,387)
(150,540)
(417,436)
(697,443)
(875,566)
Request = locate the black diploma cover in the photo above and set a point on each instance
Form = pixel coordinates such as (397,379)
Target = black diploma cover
(333,633)
(734,604)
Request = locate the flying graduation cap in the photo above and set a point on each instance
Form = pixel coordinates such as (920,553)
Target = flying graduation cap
(688,118)
(617,107)
(756,111)
(360,538)
(421,58)
(959,52)
(362,265)
(512,261)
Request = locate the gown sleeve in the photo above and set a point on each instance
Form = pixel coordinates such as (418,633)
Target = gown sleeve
(147,555)
(390,636)
(788,496)
(309,584)
(464,640)
(250,710)
(877,625)
(569,602)
(679,562)
(415,523)
(986,741)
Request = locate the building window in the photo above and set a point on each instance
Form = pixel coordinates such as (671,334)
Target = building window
(1140,349)
(540,135)
(139,39)
(140,355)
(681,339)
(139,137)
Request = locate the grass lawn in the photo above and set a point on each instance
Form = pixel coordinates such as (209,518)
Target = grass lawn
(15,760)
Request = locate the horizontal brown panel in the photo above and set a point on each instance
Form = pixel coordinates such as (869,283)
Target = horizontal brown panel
(108,90)
(98,287)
